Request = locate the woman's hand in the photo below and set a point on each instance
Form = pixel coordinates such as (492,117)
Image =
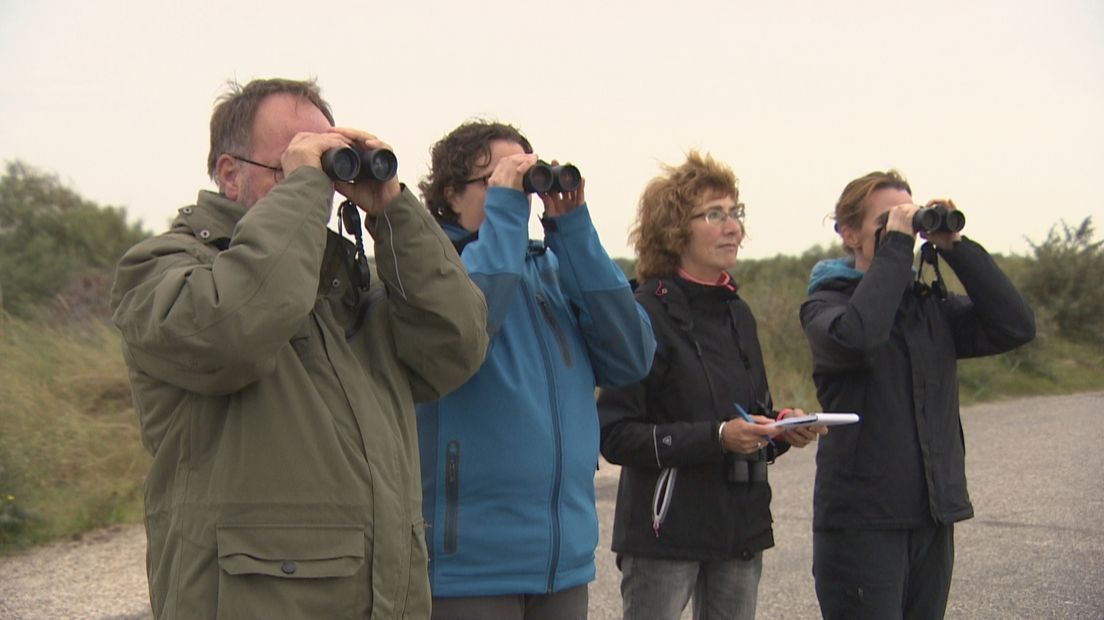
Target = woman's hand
(745,438)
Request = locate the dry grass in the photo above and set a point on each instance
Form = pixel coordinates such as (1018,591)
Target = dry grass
(70,457)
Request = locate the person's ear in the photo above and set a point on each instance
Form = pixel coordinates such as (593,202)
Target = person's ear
(850,236)
(450,196)
(228,173)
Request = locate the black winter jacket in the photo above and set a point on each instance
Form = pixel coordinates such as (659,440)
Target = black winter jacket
(671,419)
(887,350)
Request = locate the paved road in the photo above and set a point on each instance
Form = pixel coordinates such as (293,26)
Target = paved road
(1034,550)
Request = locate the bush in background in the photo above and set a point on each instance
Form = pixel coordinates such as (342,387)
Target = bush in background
(1064,281)
(55,246)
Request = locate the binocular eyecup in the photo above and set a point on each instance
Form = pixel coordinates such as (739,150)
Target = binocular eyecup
(936,218)
(352,164)
(543,178)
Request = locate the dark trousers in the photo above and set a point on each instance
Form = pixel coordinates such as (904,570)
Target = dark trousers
(883,574)
(570,604)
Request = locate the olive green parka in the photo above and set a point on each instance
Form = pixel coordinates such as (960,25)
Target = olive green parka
(285,480)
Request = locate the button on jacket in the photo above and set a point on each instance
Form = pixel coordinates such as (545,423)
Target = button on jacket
(285,480)
(887,351)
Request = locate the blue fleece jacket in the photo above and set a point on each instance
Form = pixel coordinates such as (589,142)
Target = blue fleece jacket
(508,459)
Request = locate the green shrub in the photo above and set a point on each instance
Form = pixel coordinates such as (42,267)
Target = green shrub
(1064,281)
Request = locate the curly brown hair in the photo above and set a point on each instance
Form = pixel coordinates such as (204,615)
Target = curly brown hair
(850,210)
(236,109)
(454,156)
(662,227)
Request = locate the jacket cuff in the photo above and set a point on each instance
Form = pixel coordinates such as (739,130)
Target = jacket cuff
(577,219)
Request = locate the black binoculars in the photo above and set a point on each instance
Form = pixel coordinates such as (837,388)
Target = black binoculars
(745,468)
(936,218)
(352,164)
(544,177)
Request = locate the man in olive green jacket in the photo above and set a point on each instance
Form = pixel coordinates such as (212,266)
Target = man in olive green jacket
(275,390)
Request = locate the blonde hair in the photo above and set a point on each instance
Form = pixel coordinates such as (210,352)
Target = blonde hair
(662,227)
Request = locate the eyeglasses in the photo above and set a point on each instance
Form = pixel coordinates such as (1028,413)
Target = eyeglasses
(483,179)
(717,215)
(277,172)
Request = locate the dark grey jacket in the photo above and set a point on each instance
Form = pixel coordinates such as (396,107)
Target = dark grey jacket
(885,349)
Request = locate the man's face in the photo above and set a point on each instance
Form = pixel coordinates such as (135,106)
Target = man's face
(279,118)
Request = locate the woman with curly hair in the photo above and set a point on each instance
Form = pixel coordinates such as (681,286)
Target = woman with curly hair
(693,515)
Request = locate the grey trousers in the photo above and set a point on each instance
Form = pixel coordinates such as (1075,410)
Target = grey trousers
(658,589)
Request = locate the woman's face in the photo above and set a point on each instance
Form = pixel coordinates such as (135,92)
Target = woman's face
(468,202)
(716,232)
(862,241)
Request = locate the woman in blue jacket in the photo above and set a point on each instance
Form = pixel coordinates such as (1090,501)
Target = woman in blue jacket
(508,459)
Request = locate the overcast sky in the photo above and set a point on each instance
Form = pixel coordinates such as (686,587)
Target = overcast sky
(996,104)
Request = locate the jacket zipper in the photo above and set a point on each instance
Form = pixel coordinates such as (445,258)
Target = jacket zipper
(452,496)
(554,325)
(557,439)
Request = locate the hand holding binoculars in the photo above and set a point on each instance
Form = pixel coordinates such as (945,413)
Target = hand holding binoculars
(353,164)
(543,178)
(936,218)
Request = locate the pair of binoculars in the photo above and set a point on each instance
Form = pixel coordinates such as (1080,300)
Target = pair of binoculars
(352,164)
(936,218)
(544,177)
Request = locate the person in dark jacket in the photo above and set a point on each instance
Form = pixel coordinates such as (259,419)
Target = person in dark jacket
(693,515)
(508,459)
(889,489)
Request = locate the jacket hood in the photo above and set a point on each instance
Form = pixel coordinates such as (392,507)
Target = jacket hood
(833,269)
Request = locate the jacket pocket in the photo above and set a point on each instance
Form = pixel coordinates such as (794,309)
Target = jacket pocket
(557,331)
(452,497)
(293,571)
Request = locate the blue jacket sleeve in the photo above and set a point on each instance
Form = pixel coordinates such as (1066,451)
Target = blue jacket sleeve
(617,331)
(496,259)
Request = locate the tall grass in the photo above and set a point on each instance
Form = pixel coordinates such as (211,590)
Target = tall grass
(70,455)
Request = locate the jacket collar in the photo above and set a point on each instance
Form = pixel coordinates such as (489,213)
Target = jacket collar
(211,220)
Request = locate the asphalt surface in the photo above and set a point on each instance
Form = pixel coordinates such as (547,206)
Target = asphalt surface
(1035,548)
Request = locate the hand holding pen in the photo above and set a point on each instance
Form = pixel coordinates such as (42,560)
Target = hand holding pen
(747,434)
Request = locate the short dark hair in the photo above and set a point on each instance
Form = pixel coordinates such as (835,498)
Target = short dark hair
(236,109)
(454,156)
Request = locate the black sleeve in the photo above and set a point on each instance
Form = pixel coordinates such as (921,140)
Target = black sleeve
(993,317)
(630,437)
(840,327)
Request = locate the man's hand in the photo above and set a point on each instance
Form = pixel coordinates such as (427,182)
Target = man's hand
(306,149)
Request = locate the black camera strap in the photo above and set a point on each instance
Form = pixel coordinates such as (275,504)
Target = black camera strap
(929,255)
(361,274)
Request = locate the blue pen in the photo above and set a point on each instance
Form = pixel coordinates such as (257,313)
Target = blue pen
(747,418)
